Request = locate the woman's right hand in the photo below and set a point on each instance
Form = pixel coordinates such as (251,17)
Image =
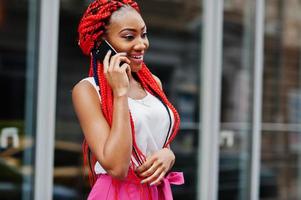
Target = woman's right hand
(117,75)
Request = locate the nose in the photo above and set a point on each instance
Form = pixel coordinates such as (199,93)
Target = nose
(141,44)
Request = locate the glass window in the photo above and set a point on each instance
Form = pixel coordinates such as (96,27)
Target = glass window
(236,99)
(281,109)
(174,56)
(18,58)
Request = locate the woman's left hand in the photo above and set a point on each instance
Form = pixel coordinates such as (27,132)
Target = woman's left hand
(156,166)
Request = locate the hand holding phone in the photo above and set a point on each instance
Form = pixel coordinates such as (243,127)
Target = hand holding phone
(101,51)
(116,72)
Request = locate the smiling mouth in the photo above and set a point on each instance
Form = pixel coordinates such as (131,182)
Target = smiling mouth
(137,57)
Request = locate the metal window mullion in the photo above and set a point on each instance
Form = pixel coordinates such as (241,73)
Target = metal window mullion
(257,100)
(210,90)
(46,99)
(31,74)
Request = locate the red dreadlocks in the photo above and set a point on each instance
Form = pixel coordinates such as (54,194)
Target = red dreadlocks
(91,29)
(94,20)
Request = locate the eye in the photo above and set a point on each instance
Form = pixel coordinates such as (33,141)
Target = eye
(129,37)
(144,35)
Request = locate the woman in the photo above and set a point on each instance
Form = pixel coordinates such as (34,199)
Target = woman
(127,121)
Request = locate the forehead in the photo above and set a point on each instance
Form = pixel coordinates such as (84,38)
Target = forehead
(125,18)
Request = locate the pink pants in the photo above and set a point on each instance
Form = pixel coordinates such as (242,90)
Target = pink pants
(107,188)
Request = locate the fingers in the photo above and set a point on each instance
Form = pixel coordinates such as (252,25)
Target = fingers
(112,63)
(156,166)
(116,75)
(116,60)
(147,164)
(150,170)
(156,177)
(119,60)
(106,61)
(126,67)
(159,179)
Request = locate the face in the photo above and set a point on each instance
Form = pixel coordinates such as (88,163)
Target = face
(127,33)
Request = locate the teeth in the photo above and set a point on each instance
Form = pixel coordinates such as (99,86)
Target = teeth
(137,57)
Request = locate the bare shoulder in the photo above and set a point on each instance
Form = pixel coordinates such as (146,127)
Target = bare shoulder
(158,81)
(82,88)
(84,93)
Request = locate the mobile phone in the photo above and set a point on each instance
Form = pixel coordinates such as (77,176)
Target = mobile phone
(101,51)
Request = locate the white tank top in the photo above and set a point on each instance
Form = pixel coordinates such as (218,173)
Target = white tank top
(151,122)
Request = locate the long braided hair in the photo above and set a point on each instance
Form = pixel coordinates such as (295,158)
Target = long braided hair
(91,29)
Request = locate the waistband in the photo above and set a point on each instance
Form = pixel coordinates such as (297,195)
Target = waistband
(164,188)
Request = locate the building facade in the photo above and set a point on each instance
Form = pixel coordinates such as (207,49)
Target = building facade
(232,69)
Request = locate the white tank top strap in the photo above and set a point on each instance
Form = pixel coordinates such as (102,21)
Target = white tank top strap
(92,82)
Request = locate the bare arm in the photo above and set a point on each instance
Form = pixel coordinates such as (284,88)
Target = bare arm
(112,146)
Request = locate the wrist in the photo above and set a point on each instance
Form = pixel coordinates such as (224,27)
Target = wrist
(120,93)
(172,157)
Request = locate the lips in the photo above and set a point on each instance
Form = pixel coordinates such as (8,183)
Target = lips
(137,58)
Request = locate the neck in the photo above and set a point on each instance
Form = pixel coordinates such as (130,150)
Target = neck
(133,78)
(136,89)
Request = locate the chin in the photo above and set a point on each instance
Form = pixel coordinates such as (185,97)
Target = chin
(136,68)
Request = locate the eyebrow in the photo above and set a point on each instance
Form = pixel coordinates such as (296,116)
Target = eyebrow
(132,29)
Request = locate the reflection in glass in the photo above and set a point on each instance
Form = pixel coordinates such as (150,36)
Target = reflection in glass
(281,99)
(174,34)
(18,56)
(236,101)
